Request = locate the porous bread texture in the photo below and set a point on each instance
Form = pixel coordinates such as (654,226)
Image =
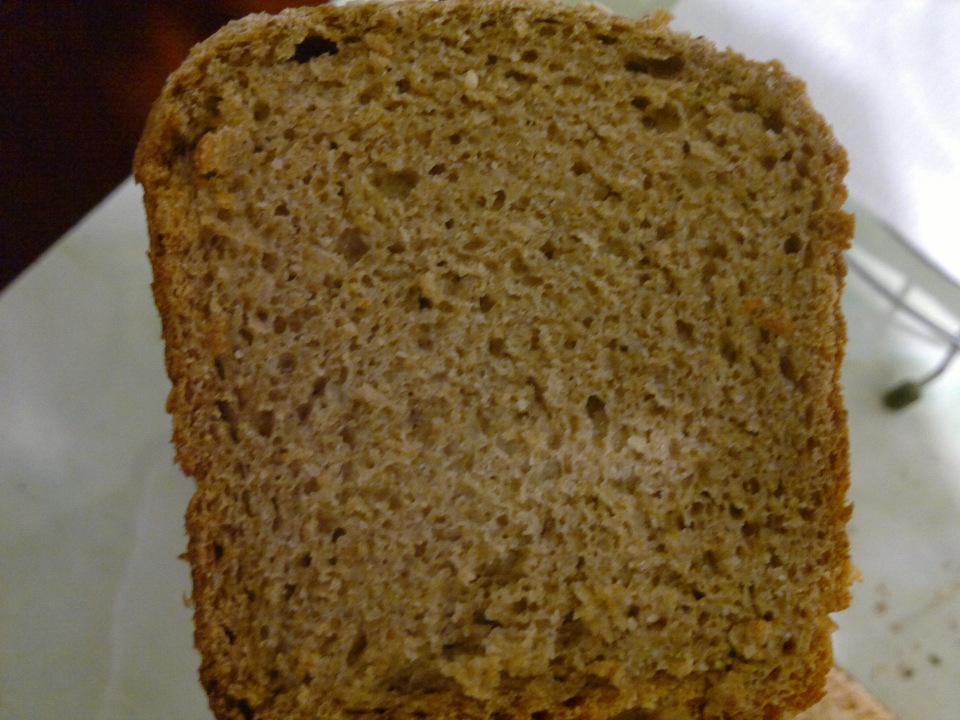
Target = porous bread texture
(505,341)
(845,699)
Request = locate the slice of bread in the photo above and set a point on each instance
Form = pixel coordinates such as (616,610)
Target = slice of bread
(505,342)
(846,699)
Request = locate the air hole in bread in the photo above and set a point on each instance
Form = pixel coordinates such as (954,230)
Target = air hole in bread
(286,363)
(728,350)
(664,232)
(773,121)
(792,245)
(655,67)
(396,185)
(295,319)
(663,119)
(370,93)
(244,707)
(461,647)
(485,303)
(547,30)
(684,331)
(212,105)
(520,205)
(265,423)
(314,46)
(268,261)
(497,347)
(787,369)
(319,385)
(229,415)
(521,77)
(604,192)
(351,245)
(597,412)
(534,342)
(708,272)
(357,648)
(261,111)
(530,56)
(716,250)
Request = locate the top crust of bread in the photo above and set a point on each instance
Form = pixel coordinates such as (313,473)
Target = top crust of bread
(504,341)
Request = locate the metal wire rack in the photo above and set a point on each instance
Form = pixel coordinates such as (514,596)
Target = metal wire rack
(885,241)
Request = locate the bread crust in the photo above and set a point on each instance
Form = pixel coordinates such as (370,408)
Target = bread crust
(278,209)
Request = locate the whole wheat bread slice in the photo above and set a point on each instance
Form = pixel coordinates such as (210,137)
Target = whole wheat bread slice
(505,341)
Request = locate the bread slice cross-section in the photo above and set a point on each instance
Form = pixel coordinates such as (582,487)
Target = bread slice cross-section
(504,341)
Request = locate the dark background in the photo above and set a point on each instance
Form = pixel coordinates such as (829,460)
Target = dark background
(77,78)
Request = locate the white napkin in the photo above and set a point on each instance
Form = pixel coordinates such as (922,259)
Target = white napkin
(886,74)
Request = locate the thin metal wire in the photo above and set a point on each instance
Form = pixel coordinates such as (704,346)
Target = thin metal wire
(909,391)
(941,368)
(948,337)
